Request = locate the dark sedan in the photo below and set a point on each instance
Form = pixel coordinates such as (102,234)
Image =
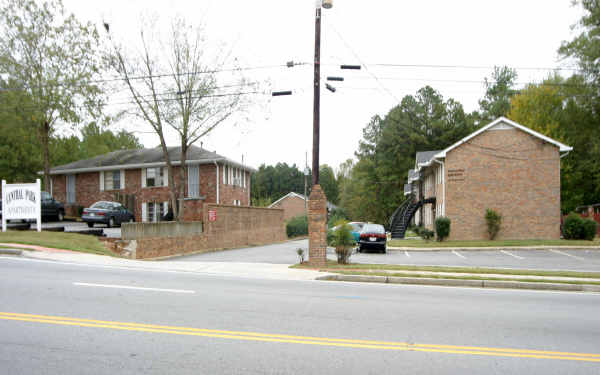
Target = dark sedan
(372,236)
(109,213)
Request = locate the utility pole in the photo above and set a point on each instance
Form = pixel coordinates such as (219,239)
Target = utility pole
(317,97)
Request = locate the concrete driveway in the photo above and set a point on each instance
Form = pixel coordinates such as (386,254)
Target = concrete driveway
(285,253)
(73,226)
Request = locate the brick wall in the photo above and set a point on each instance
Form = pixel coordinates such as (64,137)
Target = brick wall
(292,206)
(510,171)
(234,227)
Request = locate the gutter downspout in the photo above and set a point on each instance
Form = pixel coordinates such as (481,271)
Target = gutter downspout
(217,167)
(443,186)
(565,154)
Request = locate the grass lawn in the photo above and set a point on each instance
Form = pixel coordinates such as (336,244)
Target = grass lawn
(498,243)
(58,240)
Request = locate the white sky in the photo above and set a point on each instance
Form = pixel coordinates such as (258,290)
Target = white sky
(474,33)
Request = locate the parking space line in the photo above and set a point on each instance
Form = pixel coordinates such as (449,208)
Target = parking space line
(569,255)
(406,253)
(511,254)
(458,254)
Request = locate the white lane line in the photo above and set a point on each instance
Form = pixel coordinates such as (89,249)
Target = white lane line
(569,255)
(135,288)
(511,254)
(458,254)
(406,253)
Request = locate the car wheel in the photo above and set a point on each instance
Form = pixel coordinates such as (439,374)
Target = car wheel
(60,216)
(111,222)
(383,251)
(90,225)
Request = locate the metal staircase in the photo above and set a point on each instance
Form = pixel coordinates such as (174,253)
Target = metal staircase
(400,219)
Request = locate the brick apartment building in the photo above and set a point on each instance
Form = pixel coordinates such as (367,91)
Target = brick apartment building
(293,204)
(139,179)
(504,166)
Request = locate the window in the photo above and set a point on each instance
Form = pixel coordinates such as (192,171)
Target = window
(193,181)
(237,202)
(70,189)
(154,211)
(112,180)
(225,175)
(154,177)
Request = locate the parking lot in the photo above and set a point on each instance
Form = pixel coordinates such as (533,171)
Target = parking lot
(551,259)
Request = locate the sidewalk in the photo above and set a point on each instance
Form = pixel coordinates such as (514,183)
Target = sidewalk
(249,270)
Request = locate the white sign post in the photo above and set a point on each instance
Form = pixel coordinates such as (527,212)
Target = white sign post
(21,201)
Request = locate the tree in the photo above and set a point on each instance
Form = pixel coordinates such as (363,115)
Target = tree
(270,183)
(585,47)
(388,148)
(175,83)
(54,59)
(499,90)
(563,109)
(328,183)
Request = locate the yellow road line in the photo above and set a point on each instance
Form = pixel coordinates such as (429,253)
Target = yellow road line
(254,336)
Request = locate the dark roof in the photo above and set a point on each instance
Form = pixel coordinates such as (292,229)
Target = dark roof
(139,156)
(425,156)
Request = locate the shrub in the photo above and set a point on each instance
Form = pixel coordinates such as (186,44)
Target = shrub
(297,226)
(493,221)
(442,228)
(343,241)
(300,252)
(589,229)
(337,215)
(426,234)
(573,227)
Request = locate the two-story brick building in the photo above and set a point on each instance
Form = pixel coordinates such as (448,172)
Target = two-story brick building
(503,166)
(139,179)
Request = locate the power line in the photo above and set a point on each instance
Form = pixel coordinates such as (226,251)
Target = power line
(474,67)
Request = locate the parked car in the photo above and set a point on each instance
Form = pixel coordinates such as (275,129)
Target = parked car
(372,236)
(109,213)
(356,226)
(51,208)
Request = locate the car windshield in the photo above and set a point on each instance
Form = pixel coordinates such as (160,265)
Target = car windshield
(374,228)
(102,205)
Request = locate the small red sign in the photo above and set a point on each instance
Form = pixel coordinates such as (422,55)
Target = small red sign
(212,215)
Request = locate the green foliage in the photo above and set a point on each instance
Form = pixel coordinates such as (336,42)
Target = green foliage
(425,121)
(270,183)
(336,216)
(297,226)
(343,241)
(573,227)
(328,183)
(442,228)
(425,233)
(300,252)
(55,59)
(590,227)
(577,228)
(261,201)
(493,221)
(499,90)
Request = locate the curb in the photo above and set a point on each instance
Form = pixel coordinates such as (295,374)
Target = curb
(10,252)
(583,247)
(463,283)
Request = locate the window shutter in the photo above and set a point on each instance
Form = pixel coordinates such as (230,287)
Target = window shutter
(144,211)
(101,180)
(144,178)
(122,179)
(224,174)
(166,176)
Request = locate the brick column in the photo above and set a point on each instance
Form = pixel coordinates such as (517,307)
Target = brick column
(317,227)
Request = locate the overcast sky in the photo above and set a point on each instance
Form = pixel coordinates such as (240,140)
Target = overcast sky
(466,37)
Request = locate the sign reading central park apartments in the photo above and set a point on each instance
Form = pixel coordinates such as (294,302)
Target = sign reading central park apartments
(21,201)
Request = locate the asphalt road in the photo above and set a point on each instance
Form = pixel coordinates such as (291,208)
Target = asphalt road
(285,253)
(506,331)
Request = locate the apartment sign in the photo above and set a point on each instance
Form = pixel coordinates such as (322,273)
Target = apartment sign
(21,201)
